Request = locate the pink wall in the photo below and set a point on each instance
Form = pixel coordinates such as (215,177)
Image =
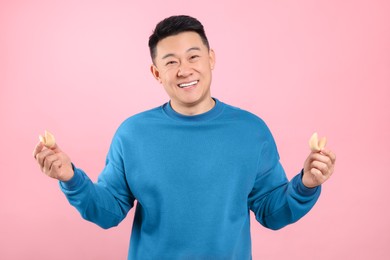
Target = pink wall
(79,69)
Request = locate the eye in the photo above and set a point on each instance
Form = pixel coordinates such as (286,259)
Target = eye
(171,62)
(194,57)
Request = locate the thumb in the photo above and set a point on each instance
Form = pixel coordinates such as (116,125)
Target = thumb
(55,148)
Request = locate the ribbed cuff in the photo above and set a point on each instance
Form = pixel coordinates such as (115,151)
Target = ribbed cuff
(75,181)
(302,189)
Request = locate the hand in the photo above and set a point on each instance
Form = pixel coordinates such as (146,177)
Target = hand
(318,168)
(53,162)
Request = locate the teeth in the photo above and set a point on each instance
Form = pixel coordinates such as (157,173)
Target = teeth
(184,85)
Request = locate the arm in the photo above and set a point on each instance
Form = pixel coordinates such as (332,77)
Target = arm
(105,203)
(277,202)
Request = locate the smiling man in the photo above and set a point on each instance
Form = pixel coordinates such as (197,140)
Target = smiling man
(195,165)
(183,65)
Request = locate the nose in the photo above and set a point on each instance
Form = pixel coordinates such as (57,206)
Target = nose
(184,70)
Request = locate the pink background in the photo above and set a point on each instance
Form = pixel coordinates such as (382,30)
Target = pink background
(79,69)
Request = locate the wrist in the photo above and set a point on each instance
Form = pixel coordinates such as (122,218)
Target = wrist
(303,186)
(74,181)
(68,173)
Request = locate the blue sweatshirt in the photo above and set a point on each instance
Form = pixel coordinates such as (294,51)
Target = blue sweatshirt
(195,179)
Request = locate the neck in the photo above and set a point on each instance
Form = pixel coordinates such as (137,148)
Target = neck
(194,109)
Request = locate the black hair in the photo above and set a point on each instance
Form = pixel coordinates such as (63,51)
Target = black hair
(172,26)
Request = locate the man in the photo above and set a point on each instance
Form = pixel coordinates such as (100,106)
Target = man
(196,165)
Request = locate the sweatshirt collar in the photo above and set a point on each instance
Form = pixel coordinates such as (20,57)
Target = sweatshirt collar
(209,115)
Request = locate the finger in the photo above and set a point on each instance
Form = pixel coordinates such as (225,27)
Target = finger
(321,158)
(330,154)
(48,162)
(38,148)
(41,156)
(317,174)
(55,148)
(55,167)
(322,167)
(323,163)
(330,161)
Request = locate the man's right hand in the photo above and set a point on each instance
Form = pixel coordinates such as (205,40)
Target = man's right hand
(53,162)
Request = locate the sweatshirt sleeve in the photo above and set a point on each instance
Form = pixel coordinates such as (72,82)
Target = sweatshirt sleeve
(106,202)
(275,201)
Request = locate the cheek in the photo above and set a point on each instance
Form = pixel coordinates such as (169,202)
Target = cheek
(168,81)
(168,77)
(204,68)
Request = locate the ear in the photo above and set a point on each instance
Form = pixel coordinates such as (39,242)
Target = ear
(155,72)
(212,58)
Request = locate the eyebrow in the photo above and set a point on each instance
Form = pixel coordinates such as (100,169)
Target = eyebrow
(172,55)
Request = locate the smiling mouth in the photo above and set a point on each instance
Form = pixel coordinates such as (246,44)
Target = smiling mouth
(189,84)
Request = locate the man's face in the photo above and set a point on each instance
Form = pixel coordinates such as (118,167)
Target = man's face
(183,65)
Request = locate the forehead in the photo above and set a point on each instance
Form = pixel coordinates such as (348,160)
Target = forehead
(179,43)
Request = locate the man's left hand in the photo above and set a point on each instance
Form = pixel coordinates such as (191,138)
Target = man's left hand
(318,168)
